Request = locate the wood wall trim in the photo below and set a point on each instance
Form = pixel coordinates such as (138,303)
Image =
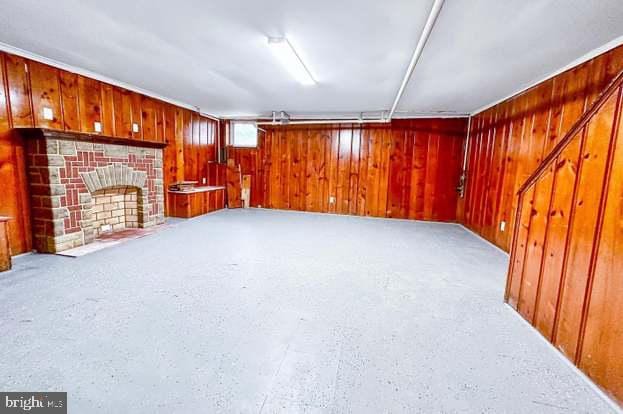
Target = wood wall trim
(581,123)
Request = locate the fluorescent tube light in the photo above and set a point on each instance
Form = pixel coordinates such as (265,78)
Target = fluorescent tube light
(288,57)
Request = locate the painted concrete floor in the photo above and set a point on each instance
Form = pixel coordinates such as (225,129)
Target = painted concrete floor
(267,311)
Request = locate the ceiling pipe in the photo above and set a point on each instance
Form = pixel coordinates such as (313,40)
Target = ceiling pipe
(467,139)
(323,121)
(428,28)
(275,118)
(284,118)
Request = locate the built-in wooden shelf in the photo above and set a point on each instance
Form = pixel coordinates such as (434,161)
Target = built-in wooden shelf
(195,202)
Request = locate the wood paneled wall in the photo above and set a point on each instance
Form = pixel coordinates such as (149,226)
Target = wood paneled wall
(409,169)
(77,103)
(566,273)
(509,141)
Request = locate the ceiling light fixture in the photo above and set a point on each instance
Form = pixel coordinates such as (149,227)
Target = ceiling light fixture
(288,57)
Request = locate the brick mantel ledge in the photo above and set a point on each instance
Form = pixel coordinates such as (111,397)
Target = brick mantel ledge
(37,133)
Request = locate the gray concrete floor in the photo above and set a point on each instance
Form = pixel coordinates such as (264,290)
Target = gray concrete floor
(267,311)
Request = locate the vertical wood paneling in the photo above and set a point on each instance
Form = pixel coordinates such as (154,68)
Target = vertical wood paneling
(70,101)
(169,161)
(26,87)
(90,100)
(315,172)
(485,205)
(520,133)
(18,84)
(386,146)
(5,118)
(506,205)
(44,83)
(353,185)
(137,118)
(187,134)
(195,149)
(344,159)
(479,173)
(332,155)
(534,249)
(148,118)
(202,169)
(396,178)
(180,139)
(418,175)
(108,110)
(520,245)
(601,355)
(159,109)
(565,268)
(15,111)
(362,181)
(495,192)
(585,207)
(408,170)
(430,192)
(566,168)
(122,109)
(14,200)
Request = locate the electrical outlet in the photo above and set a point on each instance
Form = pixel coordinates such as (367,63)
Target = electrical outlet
(106,228)
(502,226)
(48,113)
(97,126)
(134,127)
(204,181)
(332,200)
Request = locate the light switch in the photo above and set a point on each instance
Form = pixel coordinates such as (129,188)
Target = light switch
(97,126)
(48,113)
(502,225)
(204,180)
(134,127)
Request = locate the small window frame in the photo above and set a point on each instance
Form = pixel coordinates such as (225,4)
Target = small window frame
(233,134)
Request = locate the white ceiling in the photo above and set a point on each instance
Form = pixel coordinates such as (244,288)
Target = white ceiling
(214,54)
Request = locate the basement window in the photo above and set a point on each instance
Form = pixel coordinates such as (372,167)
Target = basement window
(244,134)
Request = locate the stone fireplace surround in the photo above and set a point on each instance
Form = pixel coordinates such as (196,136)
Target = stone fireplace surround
(65,173)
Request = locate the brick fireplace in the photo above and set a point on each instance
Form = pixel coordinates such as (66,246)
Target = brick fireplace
(81,187)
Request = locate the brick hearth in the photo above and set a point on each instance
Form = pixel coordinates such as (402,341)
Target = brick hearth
(66,176)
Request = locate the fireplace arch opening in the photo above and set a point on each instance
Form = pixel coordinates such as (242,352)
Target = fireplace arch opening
(116,208)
